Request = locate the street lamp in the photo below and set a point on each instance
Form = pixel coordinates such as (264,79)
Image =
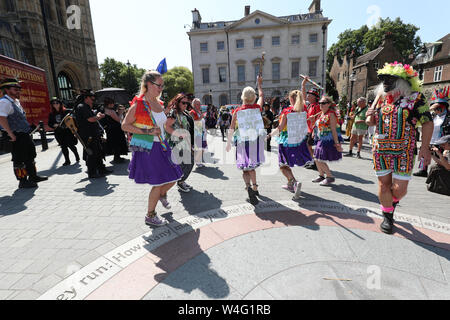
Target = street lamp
(210,96)
(352,80)
(129,77)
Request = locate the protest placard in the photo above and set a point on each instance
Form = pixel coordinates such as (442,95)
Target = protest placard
(297,127)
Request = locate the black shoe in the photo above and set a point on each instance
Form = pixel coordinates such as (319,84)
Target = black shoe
(350,154)
(388,223)
(358,155)
(27,184)
(67,163)
(421,173)
(252,196)
(95,176)
(119,160)
(105,171)
(38,179)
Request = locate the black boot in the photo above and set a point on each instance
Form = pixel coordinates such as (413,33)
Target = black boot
(27,184)
(388,222)
(421,173)
(252,196)
(349,154)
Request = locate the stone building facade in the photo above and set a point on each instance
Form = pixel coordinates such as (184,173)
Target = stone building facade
(22,37)
(226,54)
(434,67)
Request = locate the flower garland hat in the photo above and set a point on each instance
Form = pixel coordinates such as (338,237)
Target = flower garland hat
(441,96)
(405,72)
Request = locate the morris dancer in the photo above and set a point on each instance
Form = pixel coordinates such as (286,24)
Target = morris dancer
(313,113)
(328,134)
(151,162)
(249,143)
(14,122)
(398,109)
(292,153)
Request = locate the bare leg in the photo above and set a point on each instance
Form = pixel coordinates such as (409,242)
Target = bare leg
(327,170)
(165,188)
(320,168)
(287,172)
(252,175)
(153,198)
(399,188)
(360,142)
(246,177)
(352,142)
(385,190)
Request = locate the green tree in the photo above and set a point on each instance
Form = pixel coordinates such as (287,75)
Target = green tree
(364,40)
(405,39)
(116,74)
(178,80)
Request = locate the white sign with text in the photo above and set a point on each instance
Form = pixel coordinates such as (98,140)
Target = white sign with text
(250,124)
(297,127)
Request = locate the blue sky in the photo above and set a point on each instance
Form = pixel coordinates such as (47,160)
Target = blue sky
(145,32)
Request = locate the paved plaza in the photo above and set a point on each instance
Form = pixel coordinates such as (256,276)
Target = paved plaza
(75,238)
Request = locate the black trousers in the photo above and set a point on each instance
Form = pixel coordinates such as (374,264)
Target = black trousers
(269,148)
(94,162)
(23,153)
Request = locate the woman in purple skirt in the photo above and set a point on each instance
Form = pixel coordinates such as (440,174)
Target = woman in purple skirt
(249,138)
(151,162)
(292,142)
(328,134)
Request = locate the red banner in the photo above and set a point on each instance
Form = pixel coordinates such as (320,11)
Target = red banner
(34,96)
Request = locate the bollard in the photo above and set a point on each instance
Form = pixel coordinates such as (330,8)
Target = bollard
(43,136)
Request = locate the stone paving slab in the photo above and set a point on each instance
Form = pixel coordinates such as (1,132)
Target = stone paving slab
(70,218)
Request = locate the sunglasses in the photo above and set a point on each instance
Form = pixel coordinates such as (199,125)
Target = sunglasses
(324,102)
(185,103)
(161,86)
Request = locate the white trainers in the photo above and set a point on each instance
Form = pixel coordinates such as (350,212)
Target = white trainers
(183,187)
(164,202)
(298,190)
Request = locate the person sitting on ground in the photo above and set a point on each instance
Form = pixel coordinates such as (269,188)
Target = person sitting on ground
(439,178)
(441,120)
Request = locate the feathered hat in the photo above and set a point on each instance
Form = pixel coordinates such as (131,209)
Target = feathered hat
(441,96)
(405,72)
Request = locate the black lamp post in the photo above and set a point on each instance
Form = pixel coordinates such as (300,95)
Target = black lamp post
(49,48)
(352,80)
(129,78)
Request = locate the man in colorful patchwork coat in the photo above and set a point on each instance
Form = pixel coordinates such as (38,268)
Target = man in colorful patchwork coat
(399,108)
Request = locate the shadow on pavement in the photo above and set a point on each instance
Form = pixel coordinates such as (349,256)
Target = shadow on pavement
(351,177)
(15,203)
(212,172)
(97,187)
(289,219)
(355,192)
(177,254)
(195,201)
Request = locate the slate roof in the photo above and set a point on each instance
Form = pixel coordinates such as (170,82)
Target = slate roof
(368,57)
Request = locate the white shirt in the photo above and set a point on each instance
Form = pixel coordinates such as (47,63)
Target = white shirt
(6,108)
(160,118)
(437,121)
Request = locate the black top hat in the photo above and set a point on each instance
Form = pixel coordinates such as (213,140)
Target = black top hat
(87,93)
(10,82)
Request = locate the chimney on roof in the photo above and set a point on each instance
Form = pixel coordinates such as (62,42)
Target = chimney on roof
(315,7)
(388,39)
(247,10)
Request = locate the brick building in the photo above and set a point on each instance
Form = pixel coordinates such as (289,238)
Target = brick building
(434,66)
(363,70)
(22,37)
